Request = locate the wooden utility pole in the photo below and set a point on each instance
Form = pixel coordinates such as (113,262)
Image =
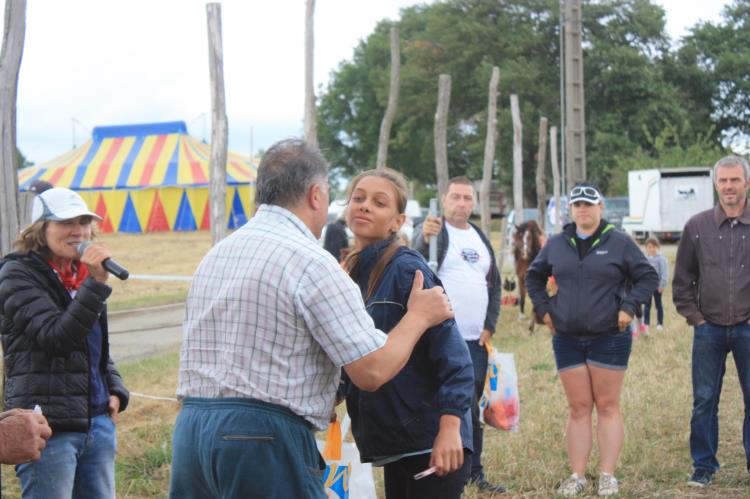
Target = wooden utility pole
(575,127)
(393,91)
(311,127)
(10,65)
(489,151)
(441,133)
(541,177)
(218,175)
(517,160)
(555,177)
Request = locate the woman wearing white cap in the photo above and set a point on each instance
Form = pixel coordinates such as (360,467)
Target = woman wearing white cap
(56,350)
(602,280)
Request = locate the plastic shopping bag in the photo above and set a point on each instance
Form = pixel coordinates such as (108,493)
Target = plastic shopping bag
(345,476)
(500,406)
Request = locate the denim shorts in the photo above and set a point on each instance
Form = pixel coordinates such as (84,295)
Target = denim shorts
(609,351)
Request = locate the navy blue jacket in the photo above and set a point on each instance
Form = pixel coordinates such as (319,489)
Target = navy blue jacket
(613,275)
(403,415)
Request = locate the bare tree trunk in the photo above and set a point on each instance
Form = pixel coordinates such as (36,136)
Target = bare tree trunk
(517,160)
(501,251)
(218,176)
(555,177)
(390,111)
(441,133)
(541,177)
(311,128)
(489,151)
(10,65)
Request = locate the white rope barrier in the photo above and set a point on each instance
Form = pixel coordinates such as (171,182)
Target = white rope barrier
(153,397)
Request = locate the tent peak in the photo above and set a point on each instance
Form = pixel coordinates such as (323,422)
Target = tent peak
(139,129)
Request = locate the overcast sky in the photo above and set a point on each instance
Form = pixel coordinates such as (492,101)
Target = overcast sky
(107,62)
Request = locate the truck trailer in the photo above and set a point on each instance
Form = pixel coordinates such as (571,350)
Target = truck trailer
(662,200)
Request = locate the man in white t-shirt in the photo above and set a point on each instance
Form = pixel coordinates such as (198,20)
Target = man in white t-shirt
(467,269)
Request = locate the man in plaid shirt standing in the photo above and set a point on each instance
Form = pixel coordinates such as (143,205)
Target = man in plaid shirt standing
(271,319)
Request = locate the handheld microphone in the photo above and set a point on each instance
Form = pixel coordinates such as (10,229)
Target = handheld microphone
(109,265)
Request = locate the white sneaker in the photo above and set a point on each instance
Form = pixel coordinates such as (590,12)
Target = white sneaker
(608,485)
(572,486)
(660,328)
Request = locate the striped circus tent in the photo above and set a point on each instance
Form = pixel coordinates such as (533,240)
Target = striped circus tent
(148,178)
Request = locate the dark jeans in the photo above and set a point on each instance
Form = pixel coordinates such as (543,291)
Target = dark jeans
(659,310)
(243,448)
(479,359)
(400,483)
(711,344)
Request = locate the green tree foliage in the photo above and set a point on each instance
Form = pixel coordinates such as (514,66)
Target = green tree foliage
(667,150)
(632,91)
(22,161)
(717,57)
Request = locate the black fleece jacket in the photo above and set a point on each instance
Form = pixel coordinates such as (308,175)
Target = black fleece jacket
(44,330)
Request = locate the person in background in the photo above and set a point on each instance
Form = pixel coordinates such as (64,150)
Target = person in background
(602,280)
(336,241)
(468,271)
(710,289)
(422,417)
(56,349)
(39,186)
(271,319)
(659,263)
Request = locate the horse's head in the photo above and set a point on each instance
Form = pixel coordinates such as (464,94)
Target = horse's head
(520,241)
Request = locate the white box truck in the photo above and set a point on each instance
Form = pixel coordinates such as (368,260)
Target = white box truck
(663,200)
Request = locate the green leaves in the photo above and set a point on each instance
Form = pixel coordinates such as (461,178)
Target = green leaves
(637,86)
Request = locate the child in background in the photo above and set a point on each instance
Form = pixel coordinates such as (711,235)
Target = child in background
(658,262)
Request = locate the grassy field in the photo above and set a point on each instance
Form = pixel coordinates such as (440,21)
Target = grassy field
(655,461)
(162,253)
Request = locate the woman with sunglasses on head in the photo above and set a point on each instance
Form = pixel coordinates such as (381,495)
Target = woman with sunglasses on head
(602,280)
(421,419)
(56,351)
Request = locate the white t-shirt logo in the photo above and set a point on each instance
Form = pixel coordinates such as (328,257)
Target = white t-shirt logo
(470,255)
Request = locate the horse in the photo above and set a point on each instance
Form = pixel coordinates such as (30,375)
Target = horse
(527,242)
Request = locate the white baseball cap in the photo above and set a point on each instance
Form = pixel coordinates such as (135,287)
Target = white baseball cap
(59,204)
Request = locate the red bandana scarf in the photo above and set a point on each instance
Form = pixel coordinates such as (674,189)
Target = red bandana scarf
(71,277)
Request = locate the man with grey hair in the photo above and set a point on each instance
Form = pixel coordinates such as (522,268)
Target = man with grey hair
(710,289)
(271,318)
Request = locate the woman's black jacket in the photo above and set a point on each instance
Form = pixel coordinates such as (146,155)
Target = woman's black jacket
(44,330)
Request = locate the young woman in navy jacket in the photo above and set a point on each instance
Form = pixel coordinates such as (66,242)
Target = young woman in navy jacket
(421,419)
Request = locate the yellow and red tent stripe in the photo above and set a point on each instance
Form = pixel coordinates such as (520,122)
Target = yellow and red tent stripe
(136,157)
(147,178)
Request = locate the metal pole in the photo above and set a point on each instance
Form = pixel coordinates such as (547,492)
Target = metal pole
(433,239)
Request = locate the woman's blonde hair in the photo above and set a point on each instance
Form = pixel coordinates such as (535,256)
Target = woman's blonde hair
(34,238)
(399,183)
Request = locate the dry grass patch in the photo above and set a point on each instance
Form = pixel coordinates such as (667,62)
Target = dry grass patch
(656,400)
(163,253)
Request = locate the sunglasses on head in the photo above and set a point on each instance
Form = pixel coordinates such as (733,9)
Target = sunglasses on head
(586,191)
